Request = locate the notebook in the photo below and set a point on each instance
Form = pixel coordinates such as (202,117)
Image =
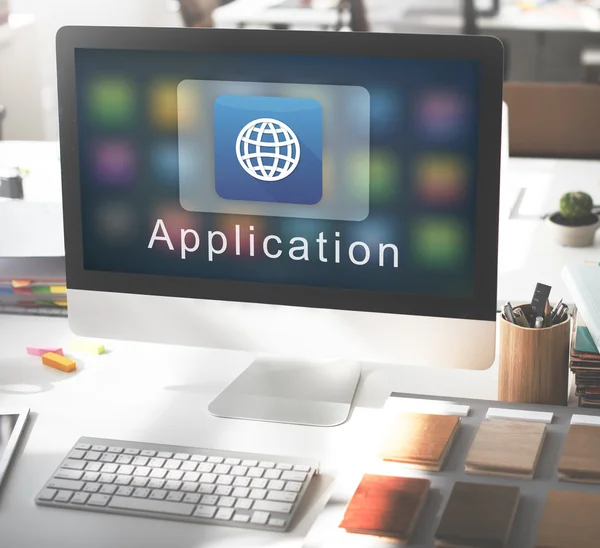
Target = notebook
(478,516)
(419,440)
(580,459)
(506,448)
(386,506)
(570,520)
(583,281)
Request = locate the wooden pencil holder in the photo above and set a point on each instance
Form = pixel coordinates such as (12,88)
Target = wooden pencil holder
(534,363)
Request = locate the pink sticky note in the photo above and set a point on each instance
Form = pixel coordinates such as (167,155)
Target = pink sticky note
(41,350)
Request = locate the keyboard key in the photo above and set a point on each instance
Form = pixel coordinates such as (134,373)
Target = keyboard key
(108,490)
(100,448)
(272,506)
(258,493)
(114,449)
(239,470)
(249,463)
(98,500)
(226,502)
(192,498)
(272,474)
(223,490)
(149,505)
(69,485)
(93,467)
(68,474)
(174,475)
(158,494)
(139,482)
(224,513)
(266,464)
(208,478)
(156,483)
(140,461)
(172,485)
(175,496)
(158,473)
(189,466)
(225,480)
(80,498)
(206,488)
(242,518)
(301,468)
(244,504)
(141,493)
(293,476)
(164,455)
(124,459)
(293,486)
(209,500)
(108,457)
(283,466)
(125,491)
(147,453)
(282,496)
(215,460)
(76,454)
(276,485)
(276,522)
(83,446)
(205,511)
(205,467)
(222,469)
(91,487)
(240,492)
(172,464)
(255,472)
(189,487)
(181,456)
(198,458)
(107,478)
(123,480)
(258,483)
(259,518)
(63,496)
(191,476)
(131,451)
(92,455)
(156,462)
(241,482)
(142,471)
(232,461)
(90,476)
(109,468)
(126,469)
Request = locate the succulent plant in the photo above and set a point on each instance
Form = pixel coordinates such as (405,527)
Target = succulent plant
(576,206)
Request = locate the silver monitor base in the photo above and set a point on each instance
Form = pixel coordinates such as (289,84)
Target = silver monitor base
(315,393)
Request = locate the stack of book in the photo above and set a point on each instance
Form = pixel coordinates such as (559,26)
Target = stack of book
(585,364)
(33,285)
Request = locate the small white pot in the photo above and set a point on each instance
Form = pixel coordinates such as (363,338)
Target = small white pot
(573,236)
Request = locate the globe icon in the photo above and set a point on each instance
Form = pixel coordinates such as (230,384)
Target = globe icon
(267,149)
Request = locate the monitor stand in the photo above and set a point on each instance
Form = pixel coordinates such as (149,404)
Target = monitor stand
(311,393)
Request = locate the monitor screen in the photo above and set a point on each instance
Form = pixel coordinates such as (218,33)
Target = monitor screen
(302,170)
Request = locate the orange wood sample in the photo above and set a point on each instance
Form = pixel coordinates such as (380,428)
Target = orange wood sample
(506,448)
(386,506)
(570,520)
(580,459)
(419,439)
(59,362)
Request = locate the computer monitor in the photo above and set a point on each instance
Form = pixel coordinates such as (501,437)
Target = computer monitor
(318,199)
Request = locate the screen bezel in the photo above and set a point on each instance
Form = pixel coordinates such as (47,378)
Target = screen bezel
(13,440)
(488,51)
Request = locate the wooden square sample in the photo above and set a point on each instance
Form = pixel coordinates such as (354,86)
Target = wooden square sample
(570,520)
(506,448)
(386,506)
(419,440)
(580,459)
(478,516)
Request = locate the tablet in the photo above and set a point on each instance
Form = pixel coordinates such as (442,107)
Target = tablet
(11,428)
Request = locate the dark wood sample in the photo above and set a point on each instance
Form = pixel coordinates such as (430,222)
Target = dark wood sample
(478,516)
(420,440)
(506,448)
(386,506)
(571,519)
(580,459)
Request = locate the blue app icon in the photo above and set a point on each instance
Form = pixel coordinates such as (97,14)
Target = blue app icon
(268,149)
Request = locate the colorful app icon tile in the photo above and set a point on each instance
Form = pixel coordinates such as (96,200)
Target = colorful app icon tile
(268,149)
(385,111)
(442,179)
(439,243)
(117,223)
(385,175)
(164,160)
(443,114)
(112,102)
(115,163)
(163,105)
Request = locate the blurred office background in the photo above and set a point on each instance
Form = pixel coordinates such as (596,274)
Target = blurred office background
(547,41)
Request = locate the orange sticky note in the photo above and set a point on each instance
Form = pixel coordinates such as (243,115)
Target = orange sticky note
(59,362)
(21,283)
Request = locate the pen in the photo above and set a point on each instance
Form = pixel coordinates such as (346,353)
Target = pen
(508,313)
(539,322)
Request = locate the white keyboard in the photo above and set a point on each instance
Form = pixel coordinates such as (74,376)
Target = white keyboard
(180,483)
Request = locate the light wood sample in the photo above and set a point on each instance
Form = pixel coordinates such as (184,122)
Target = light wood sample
(571,519)
(580,460)
(478,516)
(386,506)
(419,440)
(506,448)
